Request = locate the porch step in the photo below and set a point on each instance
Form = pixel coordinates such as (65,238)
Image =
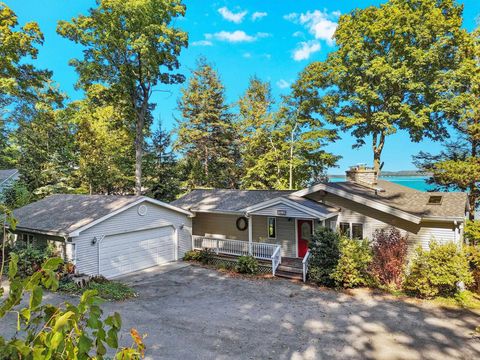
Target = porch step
(290,269)
(289,275)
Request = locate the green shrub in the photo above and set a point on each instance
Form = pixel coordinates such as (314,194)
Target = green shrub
(206,256)
(353,264)
(472,232)
(31,258)
(105,289)
(247,265)
(472,252)
(325,252)
(437,271)
(192,255)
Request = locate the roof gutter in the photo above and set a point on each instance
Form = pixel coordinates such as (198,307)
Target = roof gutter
(42,232)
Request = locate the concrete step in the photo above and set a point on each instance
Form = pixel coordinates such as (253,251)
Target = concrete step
(288,275)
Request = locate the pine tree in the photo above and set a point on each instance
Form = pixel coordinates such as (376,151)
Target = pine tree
(206,133)
(163,175)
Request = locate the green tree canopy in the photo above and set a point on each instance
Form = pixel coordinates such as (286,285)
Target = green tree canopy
(387,71)
(206,133)
(130,47)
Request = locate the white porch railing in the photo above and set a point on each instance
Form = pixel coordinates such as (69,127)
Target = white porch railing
(276,259)
(258,250)
(305,262)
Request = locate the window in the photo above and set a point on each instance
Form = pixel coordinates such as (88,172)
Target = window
(357,231)
(272,227)
(345,229)
(306,231)
(435,200)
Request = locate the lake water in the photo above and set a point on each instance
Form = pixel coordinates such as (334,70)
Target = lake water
(414,182)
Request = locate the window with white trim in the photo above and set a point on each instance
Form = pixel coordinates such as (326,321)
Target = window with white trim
(272,227)
(351,230)
(345,229)
(357,231)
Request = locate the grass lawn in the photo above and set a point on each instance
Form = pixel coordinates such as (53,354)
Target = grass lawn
(107,290)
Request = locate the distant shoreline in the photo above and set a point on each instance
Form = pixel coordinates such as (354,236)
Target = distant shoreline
(404,173)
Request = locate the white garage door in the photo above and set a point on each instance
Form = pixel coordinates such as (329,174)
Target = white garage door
(124,253)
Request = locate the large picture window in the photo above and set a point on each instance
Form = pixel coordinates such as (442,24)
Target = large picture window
(272,228)
(345,229)
(351,230)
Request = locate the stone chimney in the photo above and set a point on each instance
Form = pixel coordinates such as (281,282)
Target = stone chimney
(363,175)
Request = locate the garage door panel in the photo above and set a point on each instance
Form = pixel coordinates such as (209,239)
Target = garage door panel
(124,253)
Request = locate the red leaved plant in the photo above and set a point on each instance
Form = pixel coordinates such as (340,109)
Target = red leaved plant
(389,256)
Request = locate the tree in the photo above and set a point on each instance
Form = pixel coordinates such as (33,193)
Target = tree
(206,133)
(279,150)
(48,155)
(19,79)
(104,142)
(386,73)
(457,166)
(163,173)
(131,46)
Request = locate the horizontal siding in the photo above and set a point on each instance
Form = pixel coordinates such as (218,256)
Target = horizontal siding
(418,234)
(220,224)
(290,211)
(126,222)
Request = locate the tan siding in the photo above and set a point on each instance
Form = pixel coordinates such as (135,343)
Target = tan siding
(418,234)
(129,221)
(220,224)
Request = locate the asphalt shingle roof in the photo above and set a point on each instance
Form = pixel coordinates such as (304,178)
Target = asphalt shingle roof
(63,213)
(409,200)
(226,199)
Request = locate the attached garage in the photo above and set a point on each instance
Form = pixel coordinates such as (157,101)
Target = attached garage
(109,235)
(123,253)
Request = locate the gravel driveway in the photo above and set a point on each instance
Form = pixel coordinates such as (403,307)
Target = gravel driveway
(197,313)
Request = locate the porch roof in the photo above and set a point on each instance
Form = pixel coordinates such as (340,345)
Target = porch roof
(252,201)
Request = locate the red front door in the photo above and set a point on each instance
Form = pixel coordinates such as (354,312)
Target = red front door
(304,234)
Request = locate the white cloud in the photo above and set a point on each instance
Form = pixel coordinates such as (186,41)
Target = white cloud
(283,84)
(306,49)
(236,36)
(233,37)
(257,15)
(291,16)
(202,43)
(297,34)
(228,15)
(321,24)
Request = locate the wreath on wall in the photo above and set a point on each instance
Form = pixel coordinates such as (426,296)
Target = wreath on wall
(242,223)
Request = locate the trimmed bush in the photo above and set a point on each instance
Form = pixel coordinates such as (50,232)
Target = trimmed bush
(437,271)
(352,268)
(206,256)
(473,256)
(389,249)
(247,265)
(325,252)
(192,255)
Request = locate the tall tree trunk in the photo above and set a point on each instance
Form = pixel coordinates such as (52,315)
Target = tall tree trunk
(377,146)
(139,150)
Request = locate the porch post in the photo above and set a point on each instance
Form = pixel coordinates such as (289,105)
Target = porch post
(250,234)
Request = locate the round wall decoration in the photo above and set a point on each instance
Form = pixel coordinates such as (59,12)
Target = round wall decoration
(142,210)
(242,223)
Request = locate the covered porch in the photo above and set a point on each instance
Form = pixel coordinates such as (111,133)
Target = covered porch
(271,230)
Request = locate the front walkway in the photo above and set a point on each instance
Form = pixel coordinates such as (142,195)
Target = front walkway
(197,313)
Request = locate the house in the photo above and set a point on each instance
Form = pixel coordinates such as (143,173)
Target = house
(356,207)
(107,235)
(8,177)
(116,235)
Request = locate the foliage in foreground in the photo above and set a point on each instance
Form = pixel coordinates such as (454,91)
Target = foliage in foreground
(389,249)
(325,252)
(31,258)
(64,332)
(247,265)
(437,271)
(353,264)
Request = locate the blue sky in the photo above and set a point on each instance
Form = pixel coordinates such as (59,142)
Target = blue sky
(274,40)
